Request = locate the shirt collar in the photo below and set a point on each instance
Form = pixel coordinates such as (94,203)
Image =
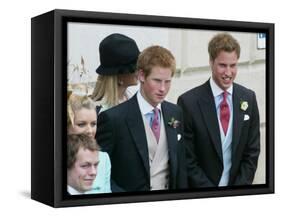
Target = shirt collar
(145,107)
(73,191)
(216,90)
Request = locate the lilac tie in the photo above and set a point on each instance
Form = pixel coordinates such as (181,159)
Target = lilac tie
(155,124)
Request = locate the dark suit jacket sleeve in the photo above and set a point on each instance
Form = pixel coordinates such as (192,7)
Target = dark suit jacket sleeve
(196,176)
(105,137)
(250,156)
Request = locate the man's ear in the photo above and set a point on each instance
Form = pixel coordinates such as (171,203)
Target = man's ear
(141,76)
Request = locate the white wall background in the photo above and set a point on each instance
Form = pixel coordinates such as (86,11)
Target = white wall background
(84,39)
(15,107)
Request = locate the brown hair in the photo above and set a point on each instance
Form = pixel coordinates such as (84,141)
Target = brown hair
(75,142)
(223,42)
(155,56)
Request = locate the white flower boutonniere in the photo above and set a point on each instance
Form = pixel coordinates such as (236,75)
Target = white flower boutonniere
(174,123)
(243,105)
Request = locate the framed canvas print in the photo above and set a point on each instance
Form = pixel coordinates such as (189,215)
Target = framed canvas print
(134,108)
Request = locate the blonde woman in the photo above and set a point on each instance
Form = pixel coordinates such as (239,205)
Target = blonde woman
(117,71)
(82,119)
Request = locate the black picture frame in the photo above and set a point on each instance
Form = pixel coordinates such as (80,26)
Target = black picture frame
(49,90)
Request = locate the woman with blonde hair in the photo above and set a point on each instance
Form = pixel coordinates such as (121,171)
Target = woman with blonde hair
(117,70)
(82,119)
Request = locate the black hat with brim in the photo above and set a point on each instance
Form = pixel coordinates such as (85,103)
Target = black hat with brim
(118,55)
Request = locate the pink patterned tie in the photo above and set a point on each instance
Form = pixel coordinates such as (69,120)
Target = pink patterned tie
(155,124)
(224,113)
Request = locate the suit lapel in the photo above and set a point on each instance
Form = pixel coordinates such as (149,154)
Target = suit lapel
(171,134)
(136,127)
(208,108)
(237,117)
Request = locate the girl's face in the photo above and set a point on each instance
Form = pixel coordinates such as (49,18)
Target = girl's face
(85,122)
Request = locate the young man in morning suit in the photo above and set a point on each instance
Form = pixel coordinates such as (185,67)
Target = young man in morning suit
(221,123)
(143,136)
